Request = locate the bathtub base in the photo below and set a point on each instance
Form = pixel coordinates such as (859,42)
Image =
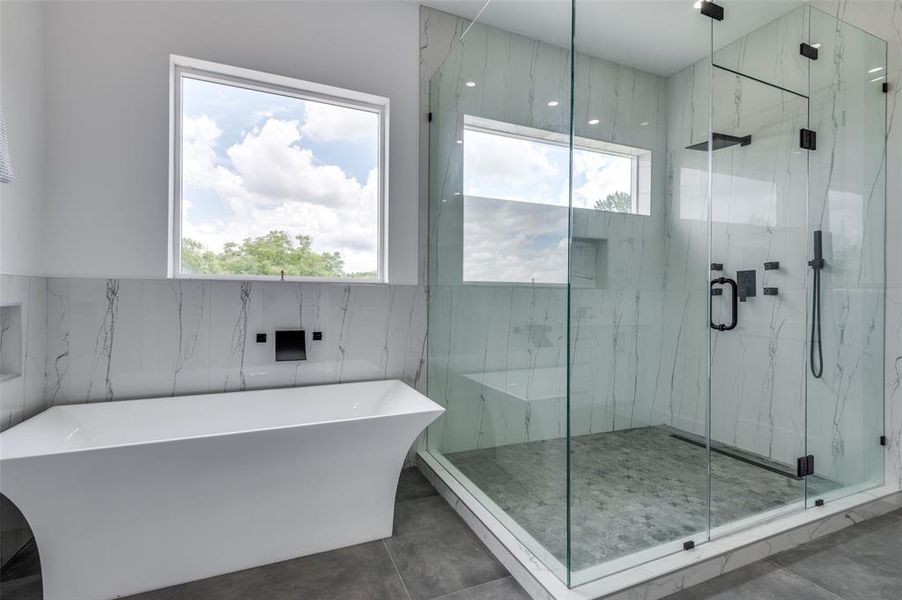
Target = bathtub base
(119,521)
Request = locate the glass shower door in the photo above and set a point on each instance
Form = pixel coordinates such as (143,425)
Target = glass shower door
(499,136)
(638,284)
(847,204)
(758,272)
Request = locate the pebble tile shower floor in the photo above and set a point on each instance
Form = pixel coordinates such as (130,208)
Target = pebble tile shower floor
(631,489)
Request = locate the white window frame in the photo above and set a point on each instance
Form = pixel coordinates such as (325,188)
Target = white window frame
(181,66)
(640,158)
(640,176)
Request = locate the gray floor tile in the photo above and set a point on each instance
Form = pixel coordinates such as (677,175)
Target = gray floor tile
(630,490)
(863,562)
(412,485)
(26,588)
(500,589)
(25,563)
(362,572)
(762,580)
(435,551)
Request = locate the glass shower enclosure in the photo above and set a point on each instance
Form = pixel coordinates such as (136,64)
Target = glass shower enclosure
(656,262)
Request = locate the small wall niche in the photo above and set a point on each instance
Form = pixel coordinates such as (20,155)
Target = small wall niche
(10,342)
(588,263)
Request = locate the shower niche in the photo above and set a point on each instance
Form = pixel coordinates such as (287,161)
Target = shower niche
(602,190)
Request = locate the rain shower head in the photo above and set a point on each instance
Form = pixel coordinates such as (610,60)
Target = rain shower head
(722,140)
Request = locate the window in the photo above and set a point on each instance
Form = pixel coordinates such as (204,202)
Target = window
(519,177)
(275,177)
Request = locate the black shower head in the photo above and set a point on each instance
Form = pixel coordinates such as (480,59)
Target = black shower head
(722,140)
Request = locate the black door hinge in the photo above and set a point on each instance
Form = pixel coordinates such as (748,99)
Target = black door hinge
(715,11)
(808,139)
(430,117)
(883,440)
(885,87)
(688,545)
(808,51)
(805,466)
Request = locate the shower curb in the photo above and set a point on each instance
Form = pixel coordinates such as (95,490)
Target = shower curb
(669,574)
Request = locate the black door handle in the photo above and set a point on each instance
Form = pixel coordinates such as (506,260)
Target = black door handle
(733,303)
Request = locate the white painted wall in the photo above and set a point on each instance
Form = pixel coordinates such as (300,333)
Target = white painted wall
(22,98)
(107,111)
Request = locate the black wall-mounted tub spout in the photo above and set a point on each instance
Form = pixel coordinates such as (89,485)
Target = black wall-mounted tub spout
(816,356)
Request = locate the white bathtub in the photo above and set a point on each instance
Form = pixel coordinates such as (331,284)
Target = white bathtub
(130,496)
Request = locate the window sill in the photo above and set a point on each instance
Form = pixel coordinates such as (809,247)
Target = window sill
(276,279)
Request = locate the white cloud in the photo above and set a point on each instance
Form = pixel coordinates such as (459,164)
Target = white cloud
(505,167)
(273,184)
(595,175)
(531,246)
(329,123)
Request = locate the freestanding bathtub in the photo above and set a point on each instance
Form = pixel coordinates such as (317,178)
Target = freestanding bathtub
(136,495)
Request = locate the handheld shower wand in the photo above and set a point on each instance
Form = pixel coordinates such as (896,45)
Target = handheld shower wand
(816,264)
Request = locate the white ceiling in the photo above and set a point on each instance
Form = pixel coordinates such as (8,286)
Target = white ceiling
(656,36)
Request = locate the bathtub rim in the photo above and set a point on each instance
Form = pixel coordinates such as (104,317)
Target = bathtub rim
(430,407)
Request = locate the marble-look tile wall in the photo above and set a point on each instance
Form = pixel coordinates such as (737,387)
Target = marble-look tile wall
(116,339)
(23,396)
(884,19)
(640,345)
(521,329)
(768,197)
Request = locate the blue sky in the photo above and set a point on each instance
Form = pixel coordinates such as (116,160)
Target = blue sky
(524,185)
(255,161)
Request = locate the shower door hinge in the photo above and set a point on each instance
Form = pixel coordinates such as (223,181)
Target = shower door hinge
(807,139)
(808,51)
(430,116)
(688,545)
(805,466)
(883,440)
(709,9)
(885,87)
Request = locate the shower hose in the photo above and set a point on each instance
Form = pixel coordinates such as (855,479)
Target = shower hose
(817,351)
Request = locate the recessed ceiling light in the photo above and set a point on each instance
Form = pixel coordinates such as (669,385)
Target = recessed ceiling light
(593,121)
(460,141)
(553,103)
(875,70)
(470,84)
(643,123)
(876,79)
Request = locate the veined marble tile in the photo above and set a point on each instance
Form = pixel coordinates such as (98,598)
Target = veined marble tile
(22,396)
(118,339)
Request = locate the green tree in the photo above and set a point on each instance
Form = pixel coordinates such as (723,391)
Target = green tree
(270,254)
(620,202)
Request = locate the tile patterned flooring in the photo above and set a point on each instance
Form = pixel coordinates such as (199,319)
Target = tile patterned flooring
(433,555)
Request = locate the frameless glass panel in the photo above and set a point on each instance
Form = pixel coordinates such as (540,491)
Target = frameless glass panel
(638,281)
(847,205)
(758,222)
(498,212)
(760,39)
